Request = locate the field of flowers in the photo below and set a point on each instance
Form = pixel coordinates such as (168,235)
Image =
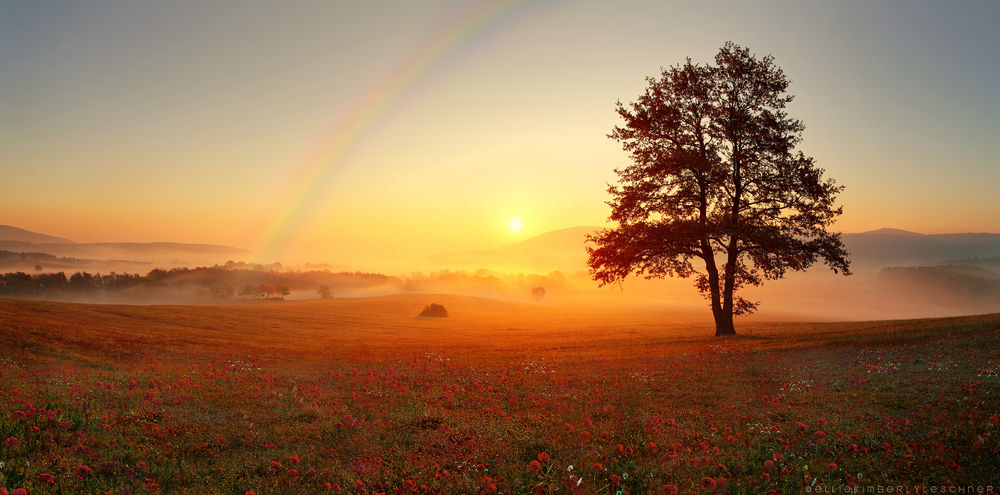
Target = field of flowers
(359,396)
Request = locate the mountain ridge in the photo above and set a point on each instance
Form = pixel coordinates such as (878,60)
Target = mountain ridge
(17,234)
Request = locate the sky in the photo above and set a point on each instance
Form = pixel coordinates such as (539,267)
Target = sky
(355,131)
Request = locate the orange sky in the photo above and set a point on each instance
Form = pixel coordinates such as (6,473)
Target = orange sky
(333,132)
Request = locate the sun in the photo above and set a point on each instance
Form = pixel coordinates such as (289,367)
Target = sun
(515,224)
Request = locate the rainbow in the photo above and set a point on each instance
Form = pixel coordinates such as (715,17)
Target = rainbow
(310,175)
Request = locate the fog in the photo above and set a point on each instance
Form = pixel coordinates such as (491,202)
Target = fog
(896,275)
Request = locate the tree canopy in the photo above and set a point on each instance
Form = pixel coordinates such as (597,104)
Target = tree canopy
(716,188)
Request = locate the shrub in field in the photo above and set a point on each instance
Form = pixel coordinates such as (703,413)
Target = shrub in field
(538,293)
(434,310)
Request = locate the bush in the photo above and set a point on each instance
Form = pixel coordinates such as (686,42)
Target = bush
(538,293)
(434,310)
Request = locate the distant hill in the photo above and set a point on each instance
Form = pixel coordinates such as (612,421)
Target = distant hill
(564,250)
(886,231)
(166,254)
(41,262)
(28,249)
(9,233)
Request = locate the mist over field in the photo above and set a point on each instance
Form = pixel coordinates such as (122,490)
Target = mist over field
(896,274)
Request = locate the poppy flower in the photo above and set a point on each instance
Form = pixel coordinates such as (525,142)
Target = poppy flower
(543,457)
(293,473)
(12,442)
(46,478)
(831,467)
(597,466)
(20,491)
(141,466)
(669,490)
(83,472)
(534,467)
(707,483)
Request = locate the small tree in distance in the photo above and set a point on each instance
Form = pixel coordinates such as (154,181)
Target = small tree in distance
(538,293)
(325,292)
(715,179)
(281,291)
(434,310)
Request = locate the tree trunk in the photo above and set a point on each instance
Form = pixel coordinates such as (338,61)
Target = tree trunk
(724,323)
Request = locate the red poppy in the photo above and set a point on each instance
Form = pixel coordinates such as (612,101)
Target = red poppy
(831,467)
(616,480)
(83,472)
(46,478)
(707,483)
(543,457)
(20,491)
(597,466)
(669,490)
(534,467)
(293,473)
(12,442)
(769,466)
(141,466)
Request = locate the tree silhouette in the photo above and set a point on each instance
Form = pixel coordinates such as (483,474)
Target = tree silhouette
(715,179)
(325,292)
(538,293)
(281,291)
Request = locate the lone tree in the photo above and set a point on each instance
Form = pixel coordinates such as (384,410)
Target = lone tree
(716,188)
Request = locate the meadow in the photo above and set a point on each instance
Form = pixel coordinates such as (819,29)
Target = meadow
(361,396)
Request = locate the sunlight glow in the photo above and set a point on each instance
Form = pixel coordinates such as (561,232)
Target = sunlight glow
(515,224)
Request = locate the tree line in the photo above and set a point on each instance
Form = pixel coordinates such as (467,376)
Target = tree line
(215,282)
(20,284)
